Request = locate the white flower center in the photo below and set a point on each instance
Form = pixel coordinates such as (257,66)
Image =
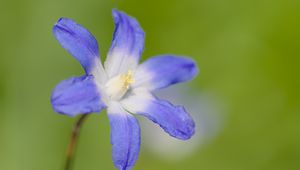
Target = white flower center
(117,86)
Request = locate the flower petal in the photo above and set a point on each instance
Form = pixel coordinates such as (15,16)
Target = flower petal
(125,137)
(173,119)
(127,45)
(78,41)
(77,95)
(162,71)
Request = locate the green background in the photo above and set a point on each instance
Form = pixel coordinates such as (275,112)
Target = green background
(247,51)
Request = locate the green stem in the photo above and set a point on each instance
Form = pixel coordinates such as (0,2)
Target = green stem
(72,144)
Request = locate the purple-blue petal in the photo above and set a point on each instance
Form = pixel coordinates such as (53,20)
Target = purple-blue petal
(173,119)
(125,137)
(127,44)
(162,71)
(77,95)
(78,41)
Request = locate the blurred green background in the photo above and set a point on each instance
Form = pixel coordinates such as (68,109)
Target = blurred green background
(247,51)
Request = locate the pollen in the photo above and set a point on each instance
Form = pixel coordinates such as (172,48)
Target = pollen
(128,79)
(117,86)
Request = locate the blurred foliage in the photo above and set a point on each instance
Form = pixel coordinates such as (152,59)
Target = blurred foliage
(247,51)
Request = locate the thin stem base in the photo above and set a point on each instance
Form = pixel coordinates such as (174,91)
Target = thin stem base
(73,141)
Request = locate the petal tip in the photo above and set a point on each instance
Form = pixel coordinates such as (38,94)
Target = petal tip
(121,167)
(115,11)
(57,106)
(194,69)
(116,15)
(187,129)
(60,26)
(62,20)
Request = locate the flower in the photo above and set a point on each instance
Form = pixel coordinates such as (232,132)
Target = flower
(121,85)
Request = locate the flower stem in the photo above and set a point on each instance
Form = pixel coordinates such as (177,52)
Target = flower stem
(73,141)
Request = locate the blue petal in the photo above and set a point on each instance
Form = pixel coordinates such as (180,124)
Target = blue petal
(162,71)
(125,137)
(78,41)
(127,45)
(173,119)
(77,95)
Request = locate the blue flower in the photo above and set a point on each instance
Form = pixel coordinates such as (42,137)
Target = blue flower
(122,85)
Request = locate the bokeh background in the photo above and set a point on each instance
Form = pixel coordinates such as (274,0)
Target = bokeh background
(245,100)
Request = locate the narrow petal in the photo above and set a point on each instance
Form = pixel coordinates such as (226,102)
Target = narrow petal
(127,45)
(162,71)
(77,95)
(78,41)
(173,119)
(125,137)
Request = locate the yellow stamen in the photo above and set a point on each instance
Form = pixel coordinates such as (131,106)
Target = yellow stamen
(117,86)
(128,79)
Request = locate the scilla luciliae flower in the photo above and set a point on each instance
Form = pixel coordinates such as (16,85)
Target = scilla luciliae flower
(121,85)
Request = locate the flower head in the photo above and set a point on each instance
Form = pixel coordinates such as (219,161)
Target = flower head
(121,85)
